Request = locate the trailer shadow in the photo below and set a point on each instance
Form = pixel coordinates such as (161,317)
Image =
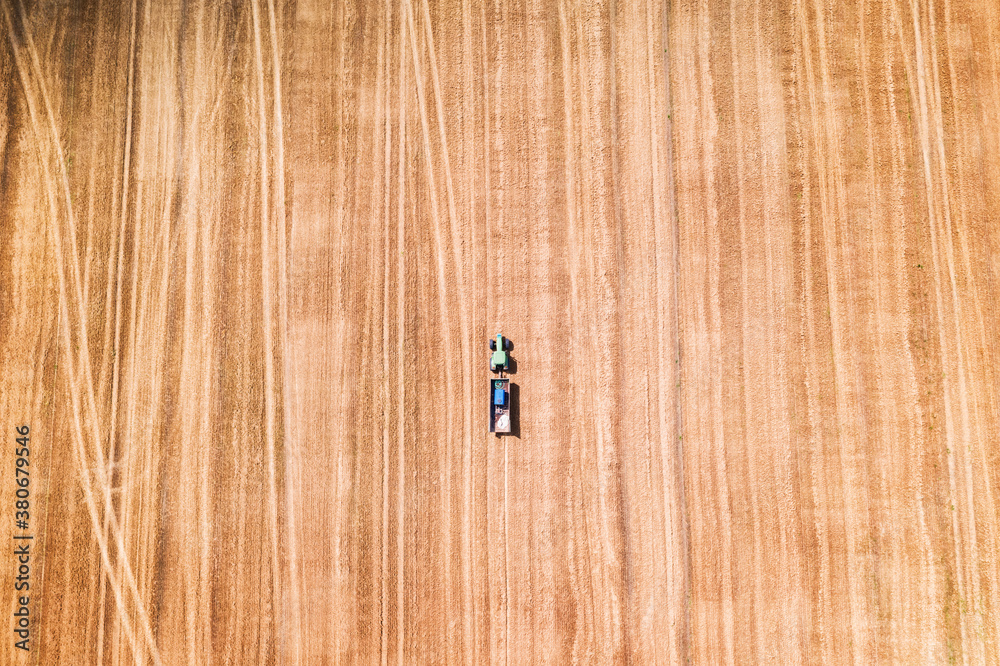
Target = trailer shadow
(515,410)
(515,394)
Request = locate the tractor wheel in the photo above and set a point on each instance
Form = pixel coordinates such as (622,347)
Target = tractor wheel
(493,344)
(507,344)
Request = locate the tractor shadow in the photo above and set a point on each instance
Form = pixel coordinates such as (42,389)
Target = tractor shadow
(511,361)
(515,393)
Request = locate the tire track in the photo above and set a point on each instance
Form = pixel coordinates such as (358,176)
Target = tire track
(116,371)
(847,391)
(439,253)
(825,137)
(267,258)
(607,608)
(964,369)
(336,239)
(203,460)
(368,456)
(384,109)
(665,185)
(934,593)
(572,194)
(805,88)
(589,436)
(891,307)
(474,595)
(400,351)
(963,225)
(79,450)
(192,359)
(886,431)
(292,478)
(472,629)
(933,222)
(770,118)
(707,433)
(457,242)
(493,136)
(910,382)
(749,416)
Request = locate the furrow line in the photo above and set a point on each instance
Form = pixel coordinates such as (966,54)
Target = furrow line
(268,306)
(203,459)
(991,516)
(290,450)
(962,361)
(442,300)
(64,290)
(188,410)
(834,215)
(116,343)
(78,426)
(599,597)
(384,112)
(933,222)
(748,416)
(710,152)
(458,259)
(916,430)
(468,507)
(570,169)
(812,380)
(400,350)
(676,509)
(884,421)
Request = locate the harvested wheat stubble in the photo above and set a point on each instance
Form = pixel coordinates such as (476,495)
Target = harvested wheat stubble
(251,255)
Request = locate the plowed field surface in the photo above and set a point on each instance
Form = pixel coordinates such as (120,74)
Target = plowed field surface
(252,252)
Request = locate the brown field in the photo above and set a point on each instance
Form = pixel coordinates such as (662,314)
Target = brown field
(748,254)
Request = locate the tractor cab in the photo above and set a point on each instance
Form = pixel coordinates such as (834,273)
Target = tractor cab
(499,360)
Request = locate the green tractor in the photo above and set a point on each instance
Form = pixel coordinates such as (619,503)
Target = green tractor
(500,360)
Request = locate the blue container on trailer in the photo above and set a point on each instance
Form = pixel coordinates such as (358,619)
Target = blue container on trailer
(498,396)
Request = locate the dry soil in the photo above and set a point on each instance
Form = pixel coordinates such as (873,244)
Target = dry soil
(251,254)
